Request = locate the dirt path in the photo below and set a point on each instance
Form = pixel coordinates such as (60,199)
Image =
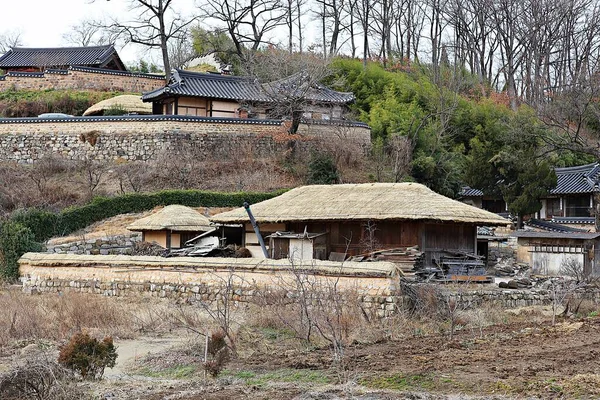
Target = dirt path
(132,350)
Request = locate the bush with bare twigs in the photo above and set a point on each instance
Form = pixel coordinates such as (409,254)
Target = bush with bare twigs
(218,351)
(38,378)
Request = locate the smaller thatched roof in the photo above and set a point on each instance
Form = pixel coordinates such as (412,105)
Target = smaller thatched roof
(175,218)
(362,202)
(128,102)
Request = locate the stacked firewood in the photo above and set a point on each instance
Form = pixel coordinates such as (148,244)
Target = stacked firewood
(408,259)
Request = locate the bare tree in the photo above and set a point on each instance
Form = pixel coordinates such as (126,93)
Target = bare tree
(288,79)
(247,22)
(93,173)
(156,23)
(181,50)
(87,32)
(330,14)
(293,21)
(10,39)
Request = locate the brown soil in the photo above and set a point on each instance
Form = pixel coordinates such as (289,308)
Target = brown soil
(508,361)
(524,356)
(515,359)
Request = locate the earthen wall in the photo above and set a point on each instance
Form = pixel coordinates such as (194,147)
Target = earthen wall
(82,79)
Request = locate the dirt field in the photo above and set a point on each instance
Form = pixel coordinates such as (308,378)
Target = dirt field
(520,356)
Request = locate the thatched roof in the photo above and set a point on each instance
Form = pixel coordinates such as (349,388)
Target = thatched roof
(362,202)
(128,102)
(175,218)
(123,263)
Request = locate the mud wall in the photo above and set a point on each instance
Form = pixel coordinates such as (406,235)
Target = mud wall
(202,279)
(81,78)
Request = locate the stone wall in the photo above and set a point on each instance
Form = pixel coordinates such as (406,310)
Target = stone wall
(201,279)
(25,140)
(116,244)
(82,78)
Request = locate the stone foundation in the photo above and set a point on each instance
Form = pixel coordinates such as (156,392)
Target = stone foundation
(118,244)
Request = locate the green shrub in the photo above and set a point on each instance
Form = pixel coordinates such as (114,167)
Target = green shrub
(88,356)
(45,225)
(322,170)
(15,240)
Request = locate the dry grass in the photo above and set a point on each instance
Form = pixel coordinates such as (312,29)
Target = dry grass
(25,318)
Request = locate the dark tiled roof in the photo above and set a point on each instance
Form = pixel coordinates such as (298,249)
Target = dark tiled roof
(556,235)
(57,71)
(574,220)
(581,179)
(334,122)
(551,226)
(20,57)
(467,191)
(322,94)
(217,86)
(26,74)
(160,117)
(116,72)
(195,84)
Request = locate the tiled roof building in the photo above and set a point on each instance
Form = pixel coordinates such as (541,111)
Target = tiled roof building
(41,59)
(216,95)
(580,179)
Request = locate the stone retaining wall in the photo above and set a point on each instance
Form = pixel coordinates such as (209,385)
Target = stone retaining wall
(81,78)
(26,140)
(117,244)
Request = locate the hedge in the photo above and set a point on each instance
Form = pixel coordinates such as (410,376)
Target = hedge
(15,240)
(44,224)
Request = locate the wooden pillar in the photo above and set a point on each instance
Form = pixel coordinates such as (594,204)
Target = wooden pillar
(168,241)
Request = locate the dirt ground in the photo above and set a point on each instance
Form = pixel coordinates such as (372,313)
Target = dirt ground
(508,361)
(521,356)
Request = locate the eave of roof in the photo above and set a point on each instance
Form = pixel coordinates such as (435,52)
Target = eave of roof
(552,226)
(556,235)
(577,180)
(467,191)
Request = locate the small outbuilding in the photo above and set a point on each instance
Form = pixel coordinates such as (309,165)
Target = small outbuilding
(356,218)
(553,253)
(172,226)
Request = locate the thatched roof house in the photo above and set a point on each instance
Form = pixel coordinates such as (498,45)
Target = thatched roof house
(357,217)
(172,226)
(129,103)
